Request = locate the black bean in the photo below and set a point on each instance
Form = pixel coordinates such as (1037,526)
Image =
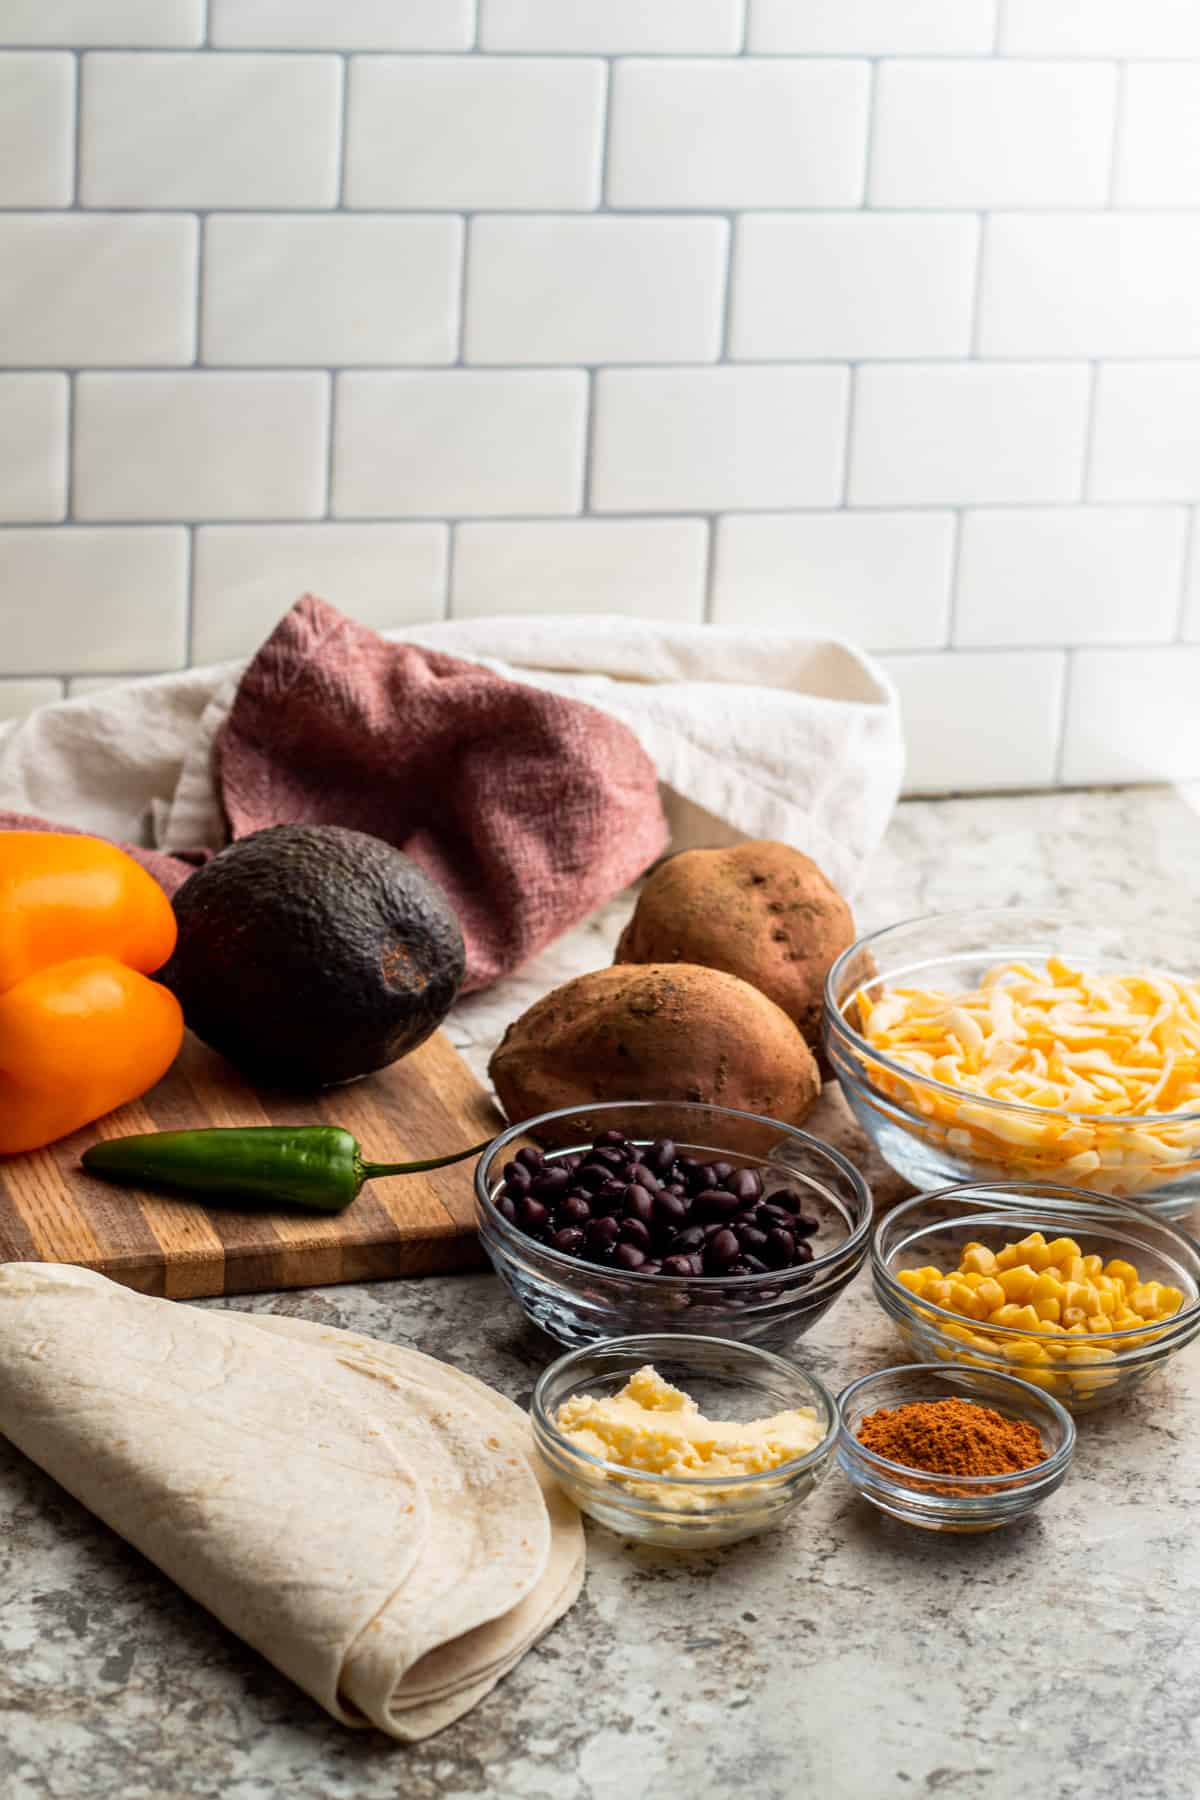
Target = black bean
(754,1265)
(644,1177)
(714,1203)
(803,1226)
(634,1232)
(669,1209)
(551,1184)
(676,1187)
(781,1248)
(637,1203)
(628,1256)
(571,1163)
(610,1140)
(750,1238)
(721,1249)
(707,1178)
(569,1240)
(739,1267)
(610,1158)
(687,1170)
(804,1252)
(531,1214)
(531,1159)
(601,1234)
(721,1171)
(514,1190)
(573,1210)
(517,1175)
(769,1216)
(591,1177)
(681,1265)
(712,1228)
(784,1197)
(746,1184)
(506,1207)
(651,1266)
(685,1241)
(661,1154)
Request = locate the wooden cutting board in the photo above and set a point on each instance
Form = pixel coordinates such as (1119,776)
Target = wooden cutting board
(426,1105)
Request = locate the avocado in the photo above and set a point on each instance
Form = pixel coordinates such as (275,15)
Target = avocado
(310,955)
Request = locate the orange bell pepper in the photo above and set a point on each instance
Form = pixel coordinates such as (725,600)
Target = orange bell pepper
(82,1030)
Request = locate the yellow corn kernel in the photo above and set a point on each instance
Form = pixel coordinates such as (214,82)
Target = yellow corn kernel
(1009,1314)
(972,1277)
(1048,1309)
(1109,1303)
(1092,1265)
(962,1297)
(1122,1271)
(1099,1322)
(1144,1301)
(1024,1350)
(1006,1258)
(959,1333)
(912,1279)
(990,1294)
(1125,1320)
(1018,1283)
(1089,1353)
(977,1259)
(1075,1329)
(1170,1299)
(1035,1251)
(1048,1286)
(1074,1318)
(1026,1319)
(1042,1378)
(937,1293)
(1073,1270)
(1063,1250)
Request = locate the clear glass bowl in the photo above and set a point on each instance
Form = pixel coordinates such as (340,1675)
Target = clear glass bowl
(977,1502)
(582,1302)
(932,1133)
(728,1381)
(1083,1373)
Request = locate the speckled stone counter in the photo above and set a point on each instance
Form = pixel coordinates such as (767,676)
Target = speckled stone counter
(842,1656)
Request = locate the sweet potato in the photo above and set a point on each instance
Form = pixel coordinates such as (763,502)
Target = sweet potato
(655,1032)
(760,910)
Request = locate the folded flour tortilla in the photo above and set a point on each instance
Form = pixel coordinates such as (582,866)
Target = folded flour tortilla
(369,1519)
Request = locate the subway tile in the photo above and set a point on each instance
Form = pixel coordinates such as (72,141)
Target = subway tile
(1112,284)
(879,579)
(644,568)
(737,133)
(706,439)
(80,290)
(342,24)
(1159,156)
(979,721)
(132,23)
(992,134)
(870,27)
(33,447)
(1146,436)
(1101,28)
(37,129)
(1132,716)
(200,445)
(1070,575)
(209,130)
(84,601)
(459,441)
(853,285)
(19,698)
(333,290)
(534,137)
(547,290)
(612,27)
(943,434)
(247,576)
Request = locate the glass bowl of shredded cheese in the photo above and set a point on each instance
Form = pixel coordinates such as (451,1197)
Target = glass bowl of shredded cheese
(1080,1295)
(1015,1045)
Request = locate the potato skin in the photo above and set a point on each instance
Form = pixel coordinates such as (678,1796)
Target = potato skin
(760,910)
(655,1032)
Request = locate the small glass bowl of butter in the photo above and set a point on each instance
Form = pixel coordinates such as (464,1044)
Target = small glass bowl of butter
(683,1441)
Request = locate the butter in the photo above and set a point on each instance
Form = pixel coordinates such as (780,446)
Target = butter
(652,1427)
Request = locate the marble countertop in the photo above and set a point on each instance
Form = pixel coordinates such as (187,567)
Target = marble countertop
(844,1655)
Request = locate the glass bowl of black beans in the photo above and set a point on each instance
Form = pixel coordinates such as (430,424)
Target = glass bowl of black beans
(640,1216)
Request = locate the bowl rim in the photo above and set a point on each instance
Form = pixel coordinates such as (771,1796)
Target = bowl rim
(598,1468)
(981,1487)
(854,1241)
(1113,1207)
(836,1024)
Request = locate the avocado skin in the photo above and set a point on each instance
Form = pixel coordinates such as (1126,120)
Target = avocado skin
(310,954)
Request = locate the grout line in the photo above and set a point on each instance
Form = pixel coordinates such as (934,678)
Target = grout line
(589,444)
(189,602)
(1118,133)
(732,250)
(743,47)
(460,331)
(1065,683)
(1089,433)
(198,293)
(710,566)
(476,27)
(848,433)
(77,115)
(1081,209)
(206,29)
(454,51)
(343,96)
(998,30)
(952,596)
(330,439)
(69,482)
(981,245)
(603,202)
(869,143)
(1189,553)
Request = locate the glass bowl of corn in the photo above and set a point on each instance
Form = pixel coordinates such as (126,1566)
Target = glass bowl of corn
(1019,1045)
(1078,1294)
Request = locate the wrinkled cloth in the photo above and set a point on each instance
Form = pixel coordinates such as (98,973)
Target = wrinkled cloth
(753,734)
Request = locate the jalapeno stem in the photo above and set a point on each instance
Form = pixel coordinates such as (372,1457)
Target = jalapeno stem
(369,1171)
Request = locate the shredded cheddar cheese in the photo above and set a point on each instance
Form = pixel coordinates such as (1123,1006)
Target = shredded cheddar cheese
(1096,1053)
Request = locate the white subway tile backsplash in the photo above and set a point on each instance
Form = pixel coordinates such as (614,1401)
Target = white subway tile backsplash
(1101,28)
(80,601)
(1159,157)
(700,440)
(979,721)
(1146,437)
(37,129)
(33,447)
(1069,575)
(879,579)
(644,568)
(957,434)
(200,445)
(475,132)
(1132,716)
(80,290)
(1112,284)
(592,290)
(78,23)
(342,289)
(460,441)
(19,698)
(341,24)
(853,285)
(992,134)
(247,576)
(737,133)
(209,130)
(871,27)
(614,27)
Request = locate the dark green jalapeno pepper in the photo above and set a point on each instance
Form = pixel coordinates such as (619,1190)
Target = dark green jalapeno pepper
(317,1167)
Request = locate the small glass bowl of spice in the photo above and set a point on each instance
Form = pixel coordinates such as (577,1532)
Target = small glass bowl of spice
(953,1449)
